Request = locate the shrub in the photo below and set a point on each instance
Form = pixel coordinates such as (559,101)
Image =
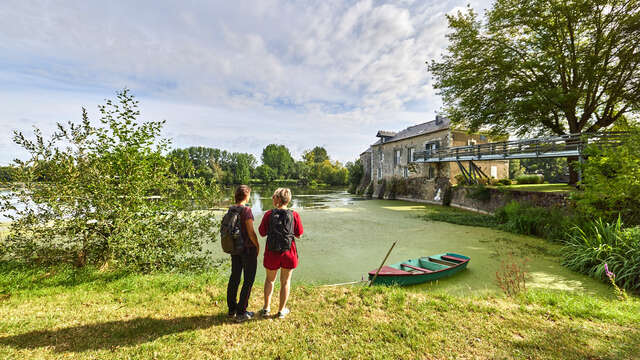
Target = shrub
(505,182)
(460,179)
(511,276)
(479,192)
(522,218)
(612,182)
(110,196)
(369,190)
(397,187)
(589,248)
(530,179)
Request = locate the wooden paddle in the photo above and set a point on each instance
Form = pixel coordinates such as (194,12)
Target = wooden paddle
(383,261)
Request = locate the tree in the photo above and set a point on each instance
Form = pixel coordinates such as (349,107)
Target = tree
(7,174)
(542,66)
(106,194)
(316,155)
(278,158)
(356,171)
(612,181)
(266,174)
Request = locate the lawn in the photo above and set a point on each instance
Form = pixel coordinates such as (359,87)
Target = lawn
(540,187)
(64,313)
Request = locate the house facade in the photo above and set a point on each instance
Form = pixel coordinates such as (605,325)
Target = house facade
(391,156)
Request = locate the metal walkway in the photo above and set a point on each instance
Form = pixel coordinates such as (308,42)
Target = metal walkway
(547,147)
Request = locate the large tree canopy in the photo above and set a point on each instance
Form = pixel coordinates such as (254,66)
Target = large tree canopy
(542,66)
(278,158)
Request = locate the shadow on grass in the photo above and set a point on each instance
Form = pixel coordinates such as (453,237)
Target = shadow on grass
(110,334)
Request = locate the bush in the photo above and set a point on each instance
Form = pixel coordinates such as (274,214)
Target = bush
(460,179)
(397,187)
(530,179)
(505,182)
(110,196)
(526,219)
(369,190)
(612,182)
(479,192)
(589,248)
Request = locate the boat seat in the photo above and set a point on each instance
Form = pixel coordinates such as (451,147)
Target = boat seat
(453,258)
(417,268)
(388,270)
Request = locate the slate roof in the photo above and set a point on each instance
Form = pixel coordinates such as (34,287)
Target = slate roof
(441,123)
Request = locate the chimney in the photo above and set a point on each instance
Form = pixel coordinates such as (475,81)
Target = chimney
(438,119)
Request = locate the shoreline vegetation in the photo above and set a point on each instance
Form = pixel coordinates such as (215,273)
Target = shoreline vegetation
(93,313)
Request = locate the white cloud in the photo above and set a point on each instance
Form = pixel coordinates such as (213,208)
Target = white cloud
(325,72)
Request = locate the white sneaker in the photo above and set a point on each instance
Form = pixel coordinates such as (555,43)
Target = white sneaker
(264,312)
(283,313)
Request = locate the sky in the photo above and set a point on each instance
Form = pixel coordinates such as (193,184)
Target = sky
(236,75)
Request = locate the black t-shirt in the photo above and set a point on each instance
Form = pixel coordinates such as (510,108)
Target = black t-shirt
(245,215)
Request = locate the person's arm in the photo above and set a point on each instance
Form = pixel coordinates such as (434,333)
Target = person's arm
(297,225)
(252,233)
(264,224)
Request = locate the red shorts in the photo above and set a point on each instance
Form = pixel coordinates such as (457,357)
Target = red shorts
(286,260)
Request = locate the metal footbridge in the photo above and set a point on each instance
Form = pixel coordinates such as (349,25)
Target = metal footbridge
(570,145)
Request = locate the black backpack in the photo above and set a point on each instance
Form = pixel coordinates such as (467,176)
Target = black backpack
(230,233)
(280,233)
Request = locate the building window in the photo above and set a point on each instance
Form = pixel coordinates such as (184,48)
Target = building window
(379,173)
(410,154)
(396,158)
(472,142)
(494,172)
(381,156)
(430,172)
(405,172)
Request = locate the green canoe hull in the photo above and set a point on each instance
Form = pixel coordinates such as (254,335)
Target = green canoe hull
(421,270)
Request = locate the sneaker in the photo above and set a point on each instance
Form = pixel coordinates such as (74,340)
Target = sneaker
(231,314)
(283,313)
(248,315)
(264,312)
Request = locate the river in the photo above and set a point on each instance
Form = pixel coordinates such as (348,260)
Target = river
(346,236)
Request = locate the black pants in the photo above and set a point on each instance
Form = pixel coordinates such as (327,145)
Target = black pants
(246,262)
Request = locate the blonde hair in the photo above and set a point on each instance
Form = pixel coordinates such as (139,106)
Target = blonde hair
(283,195)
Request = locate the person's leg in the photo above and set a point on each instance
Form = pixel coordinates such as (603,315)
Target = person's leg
(268,287)
(234,281)
(285,284)
(249,266)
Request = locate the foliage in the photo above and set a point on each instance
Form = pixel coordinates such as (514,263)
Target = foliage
(397,186)
(459,217)
(511,276)
(612,181)
(316,155)
(278,158)
(212,165)
(505,182)
(329,173)
(542,66)
(530,179)
(620,293)
(369,190)
(106,194)
(522,218)
(590,247)
(266,174)
(356,171)
(460,179)
(7,174)
(555,170)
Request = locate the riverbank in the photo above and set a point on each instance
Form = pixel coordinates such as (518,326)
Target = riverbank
(63,312)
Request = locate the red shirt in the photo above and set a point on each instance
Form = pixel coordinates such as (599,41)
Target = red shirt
(297,224)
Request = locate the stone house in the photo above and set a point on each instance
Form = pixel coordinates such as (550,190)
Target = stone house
(391,157)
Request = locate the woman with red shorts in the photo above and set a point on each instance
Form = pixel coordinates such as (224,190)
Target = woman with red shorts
(285,260)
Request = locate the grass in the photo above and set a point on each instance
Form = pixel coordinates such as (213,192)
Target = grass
(63,313)
(539,187)
(458,216)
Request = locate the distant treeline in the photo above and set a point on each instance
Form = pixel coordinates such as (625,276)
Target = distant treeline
(221,166)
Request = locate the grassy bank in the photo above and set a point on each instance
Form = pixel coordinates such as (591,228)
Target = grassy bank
(540,187)
(60,312)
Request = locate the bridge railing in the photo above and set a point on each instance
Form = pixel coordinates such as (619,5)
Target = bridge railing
(558,146)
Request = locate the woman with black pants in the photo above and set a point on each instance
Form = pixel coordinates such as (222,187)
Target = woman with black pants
(246,261)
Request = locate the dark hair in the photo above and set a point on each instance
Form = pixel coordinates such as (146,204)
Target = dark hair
(242,192)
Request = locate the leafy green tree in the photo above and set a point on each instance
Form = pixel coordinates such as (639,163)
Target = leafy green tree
(542,66)
(356,171)
(612,181)
(107,194)
(266,174)
(316,155)
(7,174)
(242,167)
(278,158)
(301,171)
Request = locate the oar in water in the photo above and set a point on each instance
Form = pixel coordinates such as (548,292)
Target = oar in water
(383,261)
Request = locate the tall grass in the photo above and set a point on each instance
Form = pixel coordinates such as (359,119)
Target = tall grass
(590,247)
(522,218)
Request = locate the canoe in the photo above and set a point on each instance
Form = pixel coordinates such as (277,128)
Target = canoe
(420,270)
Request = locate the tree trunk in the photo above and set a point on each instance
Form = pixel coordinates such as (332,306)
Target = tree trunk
(573,163)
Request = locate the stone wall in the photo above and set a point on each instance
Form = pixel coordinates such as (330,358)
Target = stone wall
(496,198)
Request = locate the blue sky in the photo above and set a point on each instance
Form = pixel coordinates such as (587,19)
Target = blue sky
(235,75)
